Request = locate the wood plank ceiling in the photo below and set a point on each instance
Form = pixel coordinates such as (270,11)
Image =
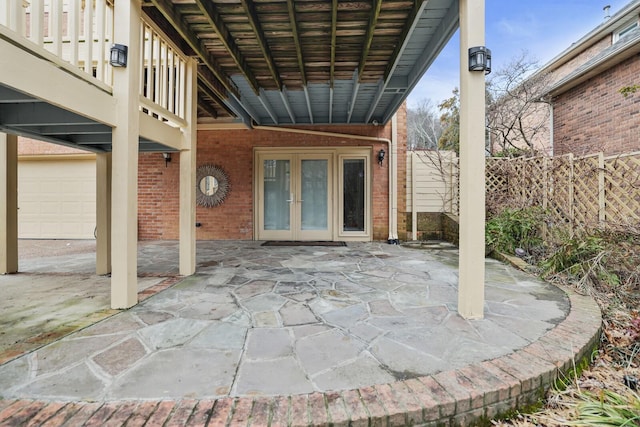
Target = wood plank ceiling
(271,62)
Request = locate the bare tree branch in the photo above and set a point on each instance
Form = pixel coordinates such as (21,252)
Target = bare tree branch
(517,116)
(423,126)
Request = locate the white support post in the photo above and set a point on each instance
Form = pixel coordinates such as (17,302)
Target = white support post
(472,165)
(8,203)
(188,175)
(125,140)
(103,213)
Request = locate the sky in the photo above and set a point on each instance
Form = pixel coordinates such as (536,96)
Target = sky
(543,28)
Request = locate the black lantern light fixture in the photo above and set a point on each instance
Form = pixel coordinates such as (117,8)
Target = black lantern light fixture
(480,59)
(381,154)
(167,158)
(118,57)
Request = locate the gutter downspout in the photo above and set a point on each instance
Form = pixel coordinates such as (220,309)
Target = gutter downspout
(392,148)
(551,147)
(393,186)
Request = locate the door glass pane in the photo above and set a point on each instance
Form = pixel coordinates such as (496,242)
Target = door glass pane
(354,185)
(277,194)
(314,194)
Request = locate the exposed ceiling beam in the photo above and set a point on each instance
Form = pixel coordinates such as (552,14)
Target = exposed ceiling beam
(287,105)
(296,39)
(92,139)
(63,129)
(354,95)
(330,104)
(205,106)
(267,106)
(376,99)
(442,34)
(252,16)
(173,17)
(154,15)
(408,29)
(206,80)
(368,38)
(27,134)
(240,111)
(11,96)
(214,19)
(308,99)
(334,27)
(145,146)
(39,114)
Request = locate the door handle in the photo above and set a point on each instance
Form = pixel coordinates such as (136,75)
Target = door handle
(290,198)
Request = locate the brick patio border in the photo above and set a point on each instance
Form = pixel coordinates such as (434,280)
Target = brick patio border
(465,396)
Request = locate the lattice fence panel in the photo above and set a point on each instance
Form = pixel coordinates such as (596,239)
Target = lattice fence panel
(576,192)
(560,190)
(497,176)
(533,184)
(516,192)
(501,182)
(586,188)
(622,190)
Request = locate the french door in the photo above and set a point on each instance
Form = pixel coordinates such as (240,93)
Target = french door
(295,196)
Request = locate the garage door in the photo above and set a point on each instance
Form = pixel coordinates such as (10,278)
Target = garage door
(56,199)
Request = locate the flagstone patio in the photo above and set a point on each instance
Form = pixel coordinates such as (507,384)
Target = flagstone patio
(259,324)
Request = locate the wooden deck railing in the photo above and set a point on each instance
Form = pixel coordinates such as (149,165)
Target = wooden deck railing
(163,76)
(79,33)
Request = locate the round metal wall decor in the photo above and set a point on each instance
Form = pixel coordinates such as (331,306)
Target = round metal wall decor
(212,185)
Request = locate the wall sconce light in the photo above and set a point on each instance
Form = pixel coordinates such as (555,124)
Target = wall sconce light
(480,59)
(381,154)
(118,57)
(167,159)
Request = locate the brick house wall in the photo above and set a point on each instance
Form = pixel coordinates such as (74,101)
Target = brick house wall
(158,207)
(540,112)
(158,183)
(590,52)
(595,117)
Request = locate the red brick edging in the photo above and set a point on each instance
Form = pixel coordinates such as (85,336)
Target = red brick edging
(459,397)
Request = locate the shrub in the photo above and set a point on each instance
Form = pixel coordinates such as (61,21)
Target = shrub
(573,254)
(514,228)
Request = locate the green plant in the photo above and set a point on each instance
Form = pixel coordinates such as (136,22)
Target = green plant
(608,408)
(514,228)
(574,254)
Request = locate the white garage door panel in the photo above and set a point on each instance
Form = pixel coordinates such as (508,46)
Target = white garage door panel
(56,199)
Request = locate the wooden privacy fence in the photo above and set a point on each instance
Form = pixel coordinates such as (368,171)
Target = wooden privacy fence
(578,192)
(432,183)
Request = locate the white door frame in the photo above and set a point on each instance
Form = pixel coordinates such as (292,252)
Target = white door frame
(336,157)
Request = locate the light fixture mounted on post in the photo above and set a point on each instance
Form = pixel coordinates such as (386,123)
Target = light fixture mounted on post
(381,154)
(167,159)
(118,57)
(480,59)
